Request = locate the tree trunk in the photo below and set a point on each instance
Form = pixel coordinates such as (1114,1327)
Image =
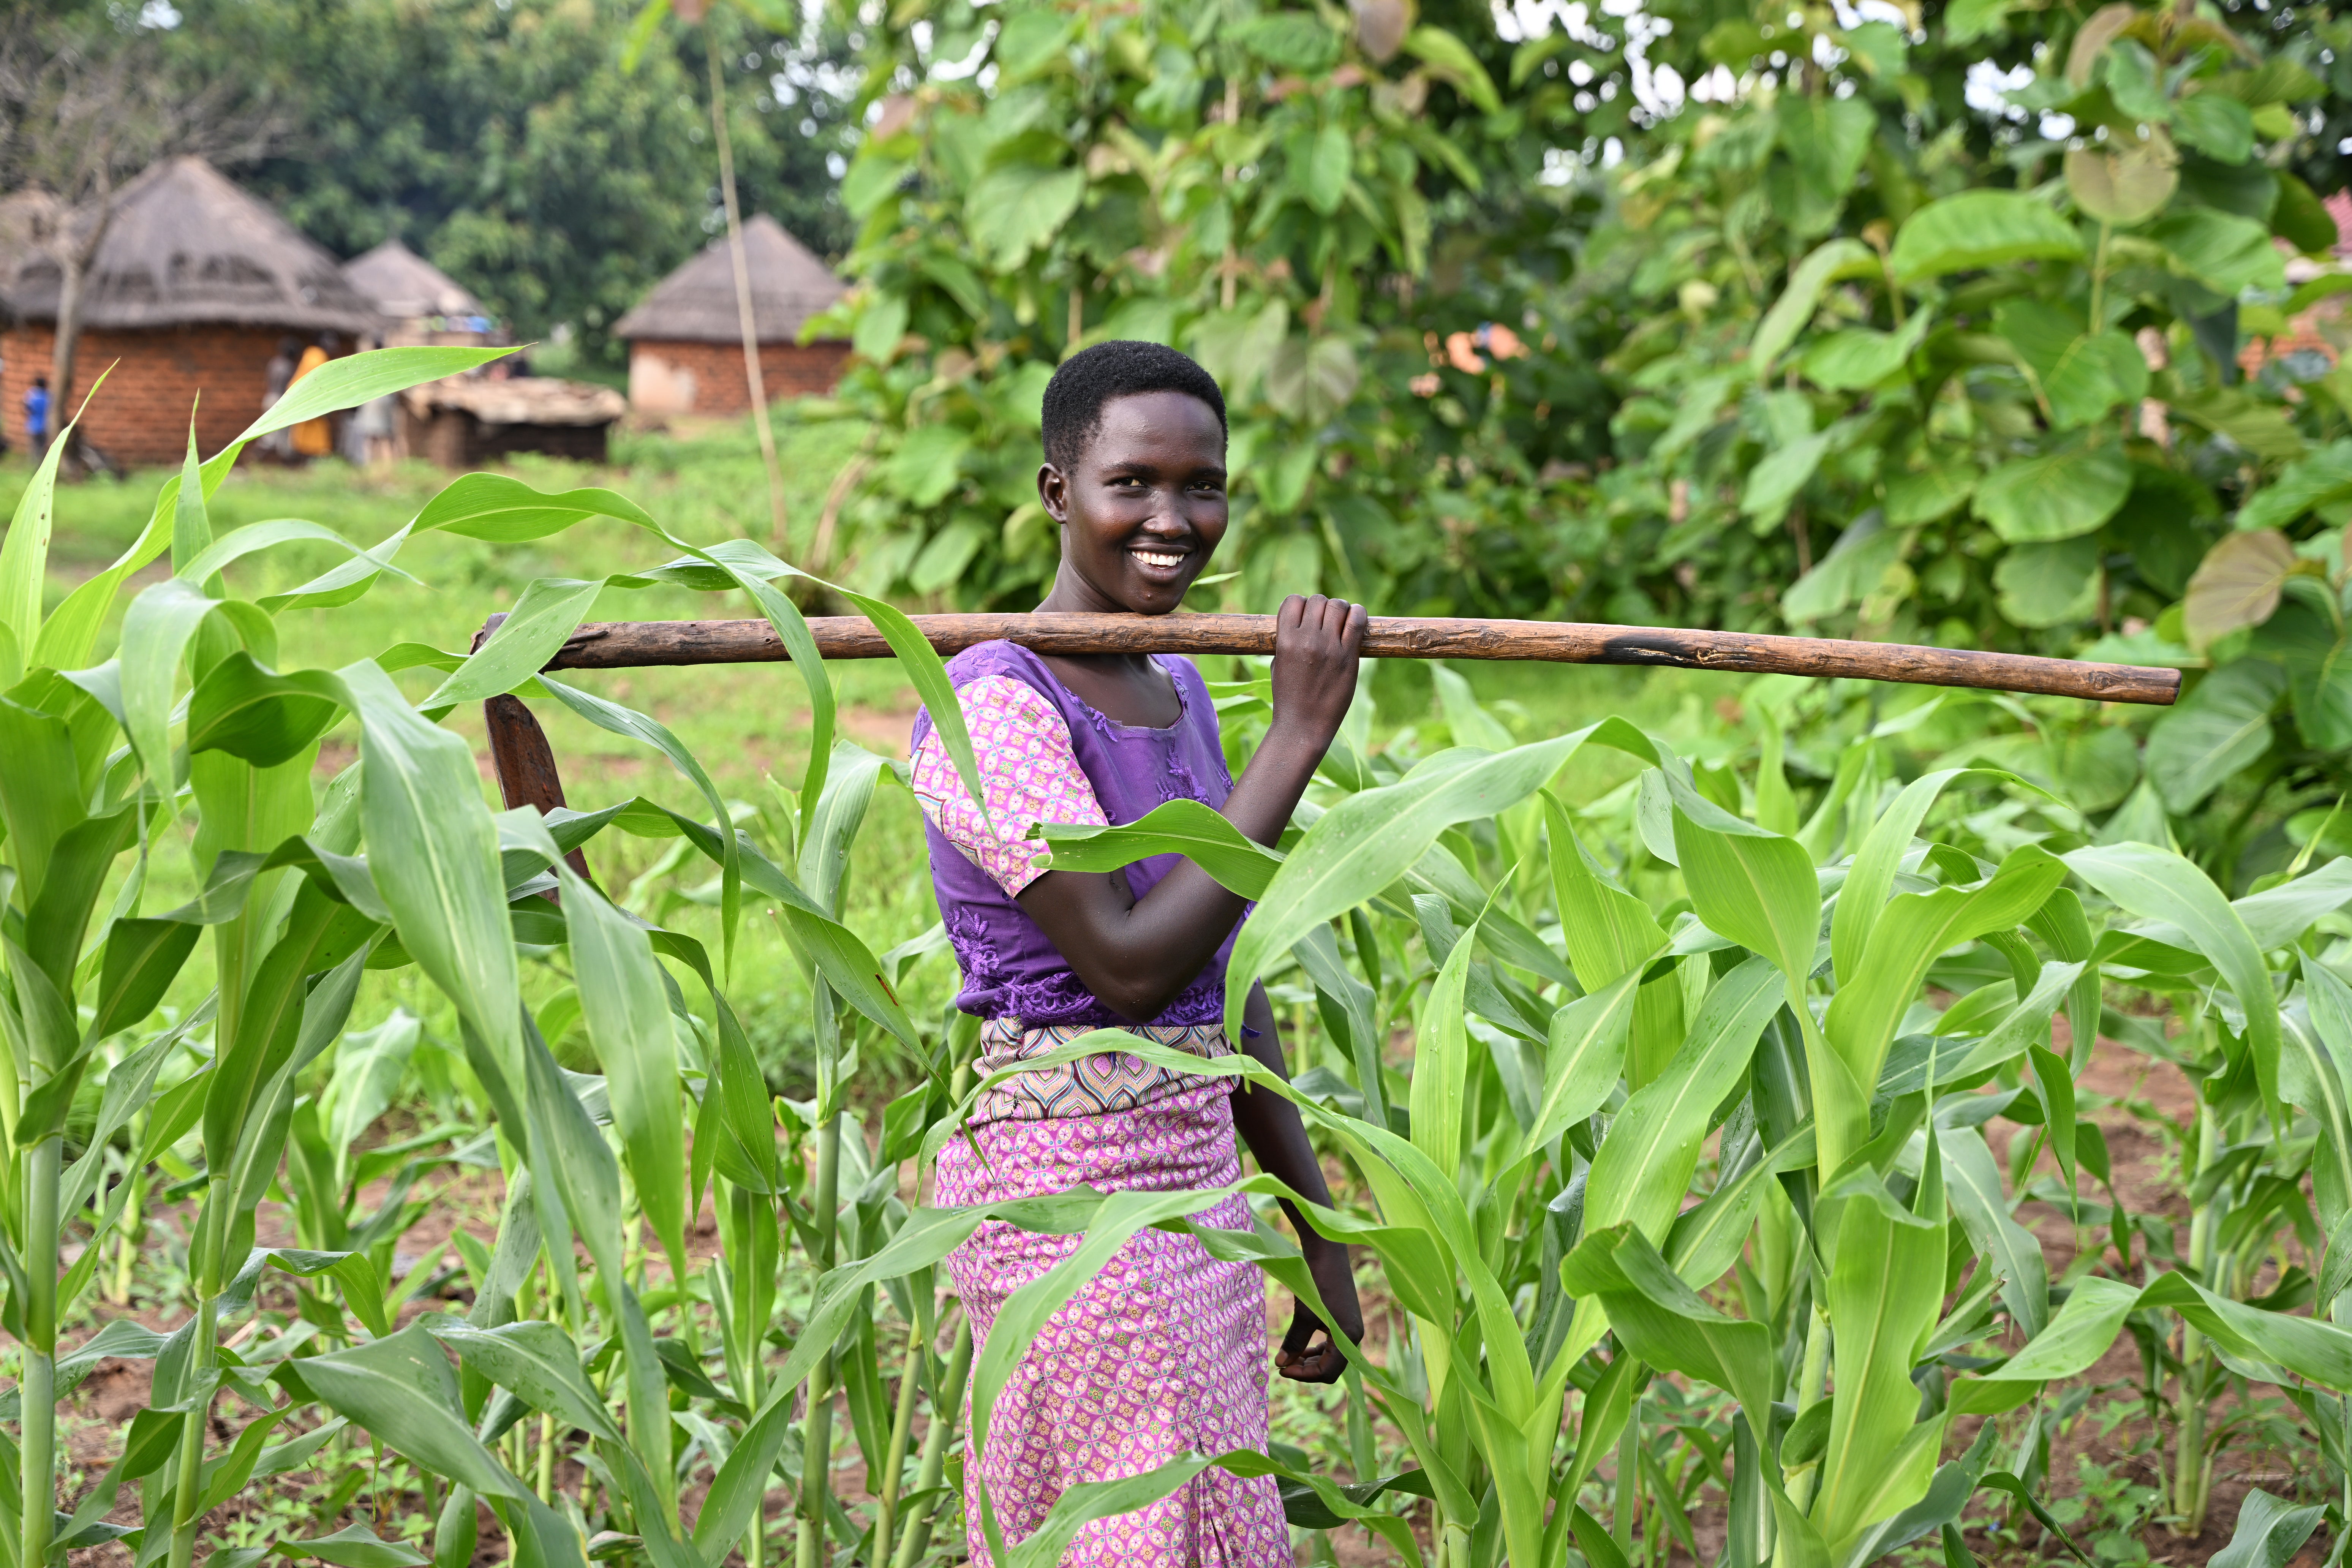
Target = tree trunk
(74,260)
(751,376)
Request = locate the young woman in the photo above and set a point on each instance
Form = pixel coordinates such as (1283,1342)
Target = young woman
(1159,1354)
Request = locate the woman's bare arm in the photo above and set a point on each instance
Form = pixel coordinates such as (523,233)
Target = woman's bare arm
(1276,1137)
(1137,954)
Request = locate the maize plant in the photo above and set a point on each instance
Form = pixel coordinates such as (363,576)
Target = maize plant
(1662,1109)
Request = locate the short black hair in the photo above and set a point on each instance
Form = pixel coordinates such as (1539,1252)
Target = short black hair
(1119,368)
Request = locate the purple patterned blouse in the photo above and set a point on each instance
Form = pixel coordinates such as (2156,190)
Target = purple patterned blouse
(1011,968)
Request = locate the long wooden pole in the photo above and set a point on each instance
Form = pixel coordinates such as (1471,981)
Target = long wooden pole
(618,645)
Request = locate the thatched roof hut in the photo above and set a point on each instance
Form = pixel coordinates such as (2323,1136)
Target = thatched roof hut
(422,303)
(187,247)
(686,337)
(193,287)
(697,302)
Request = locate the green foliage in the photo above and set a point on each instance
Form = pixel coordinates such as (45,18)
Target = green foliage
(1693,1128)
(1839,346)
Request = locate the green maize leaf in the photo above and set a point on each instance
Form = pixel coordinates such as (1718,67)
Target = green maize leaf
(1082,1504)
(1662,1320)
(434,858)
(620,721)
(1886,1284)
(1608,931)
(257,715)
(2320,1352)
(347,382)
(1282,1263)
(129,1086)
(2057,1091)
(147,1444)
(538,1361)
(2269,1532)
(1907,1071)
(1366,841)
(542,620)
(2076,1337)
(2318,1040)
(1644,1167)
(2158,885)
(1185,828)
(155,633)
(1708,1239)
(56,916)
(321,935)
(224,1477)
(40,795)
(927,1236)
(1584,1059)
(828,831)
(1607,1404)
(1754,887)
(2278,915)
(740,563)
(1441,1065)
(1871,878)
(1346,1004)
(345,582)
(353,1546)
(213,556)
(2008,1246)
(25,557)
(1023,1317)
(626,1008)
(362,1287)
(401,1390)
(142,960)
(503,510)
(70,633)
(576,1165)
(1911,932)
(1957,1480)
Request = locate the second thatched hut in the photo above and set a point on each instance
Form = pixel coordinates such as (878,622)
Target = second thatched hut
(686,337)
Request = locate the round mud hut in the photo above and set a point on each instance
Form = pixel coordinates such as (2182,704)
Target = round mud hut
(418,302)
(194,287)
(686,337)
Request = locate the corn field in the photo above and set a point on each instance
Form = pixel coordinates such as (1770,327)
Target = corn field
(1662,1119)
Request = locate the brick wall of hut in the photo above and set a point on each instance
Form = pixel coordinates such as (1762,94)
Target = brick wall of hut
(140,417)
(668,376)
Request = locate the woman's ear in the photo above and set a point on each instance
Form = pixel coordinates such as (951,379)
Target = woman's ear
(1054,492)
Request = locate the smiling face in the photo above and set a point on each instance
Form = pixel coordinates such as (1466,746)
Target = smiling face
(1142,509)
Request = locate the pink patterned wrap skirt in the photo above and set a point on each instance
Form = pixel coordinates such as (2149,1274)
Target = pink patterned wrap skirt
(1161,1355)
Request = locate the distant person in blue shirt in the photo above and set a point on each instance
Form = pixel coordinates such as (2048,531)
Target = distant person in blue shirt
(36,417)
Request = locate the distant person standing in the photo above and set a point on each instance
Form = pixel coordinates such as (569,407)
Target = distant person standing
(368,433)
(276,378)
(36,417)
(314,437)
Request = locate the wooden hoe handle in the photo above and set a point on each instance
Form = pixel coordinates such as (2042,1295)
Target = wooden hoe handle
(616,645)
(525,762)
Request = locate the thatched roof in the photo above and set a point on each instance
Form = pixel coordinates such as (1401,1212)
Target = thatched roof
(522,400)
(697,302)
(186,248)
(404,286)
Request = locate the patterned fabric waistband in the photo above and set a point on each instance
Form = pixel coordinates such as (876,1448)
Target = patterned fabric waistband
(1091,1085)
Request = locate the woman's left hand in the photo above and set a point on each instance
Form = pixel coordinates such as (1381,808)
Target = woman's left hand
(1322,1361)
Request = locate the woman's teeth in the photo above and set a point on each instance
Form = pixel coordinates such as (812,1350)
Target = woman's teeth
(1159,557)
